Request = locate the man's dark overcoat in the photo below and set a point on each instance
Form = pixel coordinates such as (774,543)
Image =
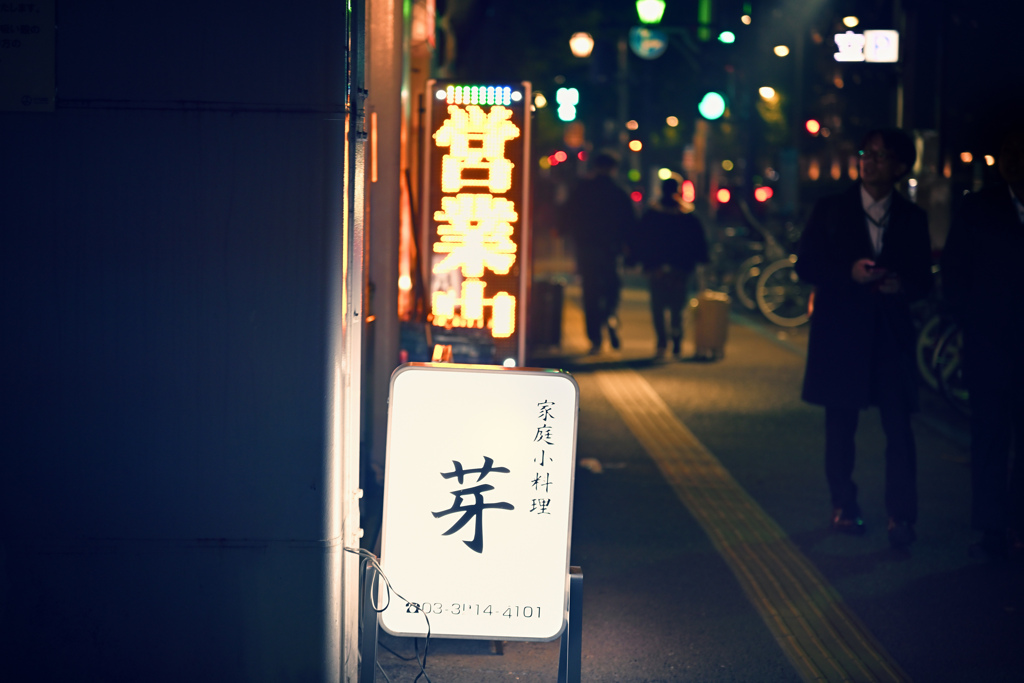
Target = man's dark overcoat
(851,320)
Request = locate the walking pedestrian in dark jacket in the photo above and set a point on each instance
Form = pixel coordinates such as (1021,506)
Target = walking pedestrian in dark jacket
(598,216)
(669,244)
(980,281)
(867,251)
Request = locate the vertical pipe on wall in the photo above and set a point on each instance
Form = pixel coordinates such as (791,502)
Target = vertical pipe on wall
(384,63)
(348,374)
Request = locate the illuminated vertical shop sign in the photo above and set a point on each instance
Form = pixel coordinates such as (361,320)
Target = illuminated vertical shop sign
(475,216)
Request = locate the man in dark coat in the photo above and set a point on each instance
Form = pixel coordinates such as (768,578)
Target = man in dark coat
(980,281)
(669,244)
(598,216)
(867,251)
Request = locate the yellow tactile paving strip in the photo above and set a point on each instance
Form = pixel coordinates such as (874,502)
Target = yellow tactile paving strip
(822,638)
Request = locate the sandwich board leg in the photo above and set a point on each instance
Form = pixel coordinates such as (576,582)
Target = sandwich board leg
(368,642)
(570,656)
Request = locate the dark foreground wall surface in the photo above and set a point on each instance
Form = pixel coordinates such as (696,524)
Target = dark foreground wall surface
(169,243)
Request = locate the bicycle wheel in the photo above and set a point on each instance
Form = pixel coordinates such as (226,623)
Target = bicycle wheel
(781,296)
(927,341)
(949,370)
(746,281)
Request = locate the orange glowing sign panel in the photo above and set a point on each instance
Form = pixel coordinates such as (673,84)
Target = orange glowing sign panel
(475,199)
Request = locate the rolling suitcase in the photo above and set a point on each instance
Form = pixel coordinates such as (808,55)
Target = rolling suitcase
(710,324)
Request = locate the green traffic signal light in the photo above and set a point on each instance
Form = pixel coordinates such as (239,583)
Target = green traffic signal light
(712,106)
(650,11)
(567,99)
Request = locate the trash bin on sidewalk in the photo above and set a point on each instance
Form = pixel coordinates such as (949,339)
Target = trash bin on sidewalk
(545,313)
(710,324)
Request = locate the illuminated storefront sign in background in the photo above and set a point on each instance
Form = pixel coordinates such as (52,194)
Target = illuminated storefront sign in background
(870,46)
(475,213)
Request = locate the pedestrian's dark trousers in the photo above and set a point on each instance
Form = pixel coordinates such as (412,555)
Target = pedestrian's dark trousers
(889,393)
(668,292)
(600,302)
(997,420)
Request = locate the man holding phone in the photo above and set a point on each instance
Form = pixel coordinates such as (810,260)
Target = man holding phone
(867,251)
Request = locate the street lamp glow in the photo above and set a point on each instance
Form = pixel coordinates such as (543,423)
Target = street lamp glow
(766,92)
(850,22)
(664,173)
(745,19)
(672,121)
(581,44)
(650,11)
(781,50)
(636,145)
(540,101)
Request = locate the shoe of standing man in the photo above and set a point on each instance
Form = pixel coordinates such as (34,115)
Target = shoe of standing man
(901,534)
(847,523)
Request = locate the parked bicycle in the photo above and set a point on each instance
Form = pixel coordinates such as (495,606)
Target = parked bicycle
(928,336)
(782,297)
(749,271)
(939,351)
(948,369)
(769,282)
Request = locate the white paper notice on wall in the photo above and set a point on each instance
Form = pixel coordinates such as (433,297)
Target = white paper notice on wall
(478,501)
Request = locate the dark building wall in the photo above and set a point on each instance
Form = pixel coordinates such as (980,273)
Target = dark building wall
(169,246)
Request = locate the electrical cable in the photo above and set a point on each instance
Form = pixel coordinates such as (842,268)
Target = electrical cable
(395,654)
(416,649)
(374,561)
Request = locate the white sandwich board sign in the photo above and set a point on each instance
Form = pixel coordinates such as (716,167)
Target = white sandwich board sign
(478,501)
